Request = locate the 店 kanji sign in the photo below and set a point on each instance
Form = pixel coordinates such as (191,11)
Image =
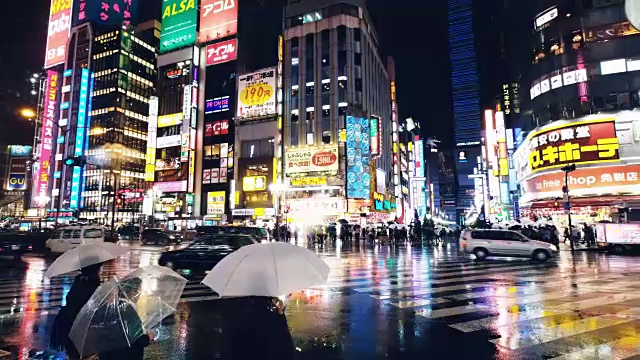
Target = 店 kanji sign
(582,142)
(222,52)
(601,180)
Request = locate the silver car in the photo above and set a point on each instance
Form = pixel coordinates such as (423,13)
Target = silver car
(484,243)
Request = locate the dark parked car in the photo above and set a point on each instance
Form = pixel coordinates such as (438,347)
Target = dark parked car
(205,252)
(159,236)
(257,233)
(15,244)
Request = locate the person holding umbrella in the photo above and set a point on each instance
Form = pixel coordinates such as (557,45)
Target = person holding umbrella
(88,259)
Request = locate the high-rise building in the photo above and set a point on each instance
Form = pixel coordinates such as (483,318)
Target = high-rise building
(334,79)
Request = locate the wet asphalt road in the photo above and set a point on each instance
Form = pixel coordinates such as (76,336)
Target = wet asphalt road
(390,303)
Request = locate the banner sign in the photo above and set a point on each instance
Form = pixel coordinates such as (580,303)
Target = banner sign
(20,150)
(218,19)
(317,206)
(257,94)
(50,116)
(17,182)
(179,19)
(222,52)
(168,141)
(217,105)
(582,142)
(171,186)
(58,34)
(216,128)
(305,160)
(170,120)
(309,181)
(254,183)
(605,180)
(215,202)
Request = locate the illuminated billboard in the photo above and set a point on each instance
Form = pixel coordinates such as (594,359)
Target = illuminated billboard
(215,202)
(358,158)
(220,104)
(580,142)
(50,117)
(58,33)
(82,124)
(17,181)
(20,150)
(179,26)
(312,159)
(222,52)
(257,94)
(218,19)
(106,12)
(375,135)
(216,128)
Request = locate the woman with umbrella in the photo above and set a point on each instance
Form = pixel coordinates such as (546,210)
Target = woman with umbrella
(88,259)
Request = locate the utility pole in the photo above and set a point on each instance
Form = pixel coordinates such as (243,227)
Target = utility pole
(567,205)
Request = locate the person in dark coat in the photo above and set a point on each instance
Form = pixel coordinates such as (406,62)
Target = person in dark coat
(84,285)
(131,324)
(258,329)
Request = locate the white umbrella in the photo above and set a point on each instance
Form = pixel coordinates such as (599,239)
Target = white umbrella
(272,269)
(84,255)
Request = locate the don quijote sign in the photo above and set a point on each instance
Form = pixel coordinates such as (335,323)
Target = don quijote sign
(308,160)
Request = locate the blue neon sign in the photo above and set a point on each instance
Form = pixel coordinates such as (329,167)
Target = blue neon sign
(358,158)
(83,100)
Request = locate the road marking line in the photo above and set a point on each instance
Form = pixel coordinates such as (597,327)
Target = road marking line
(623,348)
(466,309)
(535,334)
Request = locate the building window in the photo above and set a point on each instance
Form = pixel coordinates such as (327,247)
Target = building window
(326,126)
(256,148)
(294,116)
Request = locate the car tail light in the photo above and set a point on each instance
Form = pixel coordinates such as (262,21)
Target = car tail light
(30,247)
(463,243)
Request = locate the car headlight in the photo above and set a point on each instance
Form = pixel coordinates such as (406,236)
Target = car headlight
(553,248)
(171,237)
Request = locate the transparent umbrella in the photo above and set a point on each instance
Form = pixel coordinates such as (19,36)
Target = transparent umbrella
(122,310)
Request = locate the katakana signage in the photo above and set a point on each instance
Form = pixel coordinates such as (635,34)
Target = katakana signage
(583,142)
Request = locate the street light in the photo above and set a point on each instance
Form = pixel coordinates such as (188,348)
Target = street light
(27,113)
(567,205)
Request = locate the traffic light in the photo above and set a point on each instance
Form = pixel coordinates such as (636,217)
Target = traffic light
(76,161)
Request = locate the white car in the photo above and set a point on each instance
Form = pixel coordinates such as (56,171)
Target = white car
(70,237)
(484,243)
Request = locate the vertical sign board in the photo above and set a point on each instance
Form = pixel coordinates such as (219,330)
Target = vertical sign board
(376,140)
(179,18)
(358,158)
(41,181)
(58,33)
(76,177)
(218,19)
(419,158)
(152,134)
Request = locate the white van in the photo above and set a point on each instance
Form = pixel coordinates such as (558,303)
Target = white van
(70,237)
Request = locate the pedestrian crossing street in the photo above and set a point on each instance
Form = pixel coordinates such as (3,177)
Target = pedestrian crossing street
(33,292)
(565,309)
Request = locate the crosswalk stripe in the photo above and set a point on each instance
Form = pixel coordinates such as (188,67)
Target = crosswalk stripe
(471,308)
(530,337)
(485,276)
(623,348)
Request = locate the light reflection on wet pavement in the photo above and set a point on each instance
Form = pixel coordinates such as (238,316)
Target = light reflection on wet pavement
(380,302)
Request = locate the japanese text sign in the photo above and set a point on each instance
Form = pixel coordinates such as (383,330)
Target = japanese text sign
(257,94)
(218,19)
(305,160)
(574,143)
(216,128)
(58,33)
(178,24)
(41,182)
(222,52)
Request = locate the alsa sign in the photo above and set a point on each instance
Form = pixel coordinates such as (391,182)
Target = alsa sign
(222,52)
(312,160)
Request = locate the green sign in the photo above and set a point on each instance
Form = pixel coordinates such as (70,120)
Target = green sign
(179,20)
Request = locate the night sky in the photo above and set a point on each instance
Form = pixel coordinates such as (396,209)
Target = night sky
(413,32)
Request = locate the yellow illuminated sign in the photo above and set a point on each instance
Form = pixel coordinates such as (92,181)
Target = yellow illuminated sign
(149,172)
(170,120)
(343,135)
(254,183)
(150,156)
(309,181)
